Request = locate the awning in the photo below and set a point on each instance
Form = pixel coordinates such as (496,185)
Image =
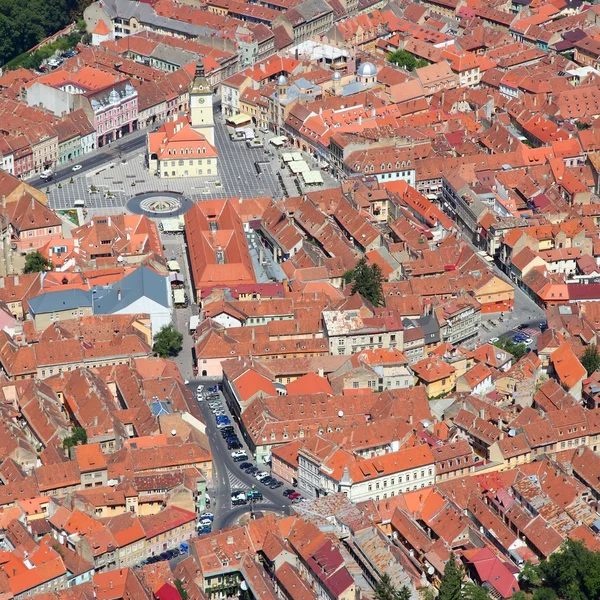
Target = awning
(296,155)
(278,141)
(175,277)
(298,166)
(179,296)
(240,119)
(173,265)
(312,177)
(287,157)
(172,225)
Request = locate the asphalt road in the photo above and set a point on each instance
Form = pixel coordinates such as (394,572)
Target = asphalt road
(96,159)
(227,472)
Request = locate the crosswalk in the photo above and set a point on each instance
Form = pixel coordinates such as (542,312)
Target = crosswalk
(237,484)
(529,331)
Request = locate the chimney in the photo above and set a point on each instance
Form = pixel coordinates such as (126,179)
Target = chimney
(109,221)
(32,202)
(119,294)
(16,280)
(321,373)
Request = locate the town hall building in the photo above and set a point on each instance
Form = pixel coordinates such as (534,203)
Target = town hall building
(185,147)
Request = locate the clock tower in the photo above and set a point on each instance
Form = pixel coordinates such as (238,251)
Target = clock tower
(201,105)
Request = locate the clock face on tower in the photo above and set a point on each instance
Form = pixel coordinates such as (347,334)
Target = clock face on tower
(200,100)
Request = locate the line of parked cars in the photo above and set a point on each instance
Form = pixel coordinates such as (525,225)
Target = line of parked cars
(167,555)
(293,495)
(205,523)
(521,338)
(261,476)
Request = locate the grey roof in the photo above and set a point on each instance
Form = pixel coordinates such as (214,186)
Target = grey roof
(146,15)
(142,282)
(353,88)
(174,56)
(58,301)
(313,8)
(430,327)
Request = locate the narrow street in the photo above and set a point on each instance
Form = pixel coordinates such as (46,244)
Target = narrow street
(227,475)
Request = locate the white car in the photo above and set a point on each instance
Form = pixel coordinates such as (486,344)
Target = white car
(238,453)
(494,340)
(77,168)
(261,475)
(204,522)
(199,389)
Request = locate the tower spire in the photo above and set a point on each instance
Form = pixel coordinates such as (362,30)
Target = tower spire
(199,69)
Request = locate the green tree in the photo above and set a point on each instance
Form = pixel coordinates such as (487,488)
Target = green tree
(403,58)
(591,359)
(451,584)
(384,590)
(180,589)
(517,350)
(471,591)
(529,578)
(520,595)
(168,342)
(403,593)
(366,280)
(573,573)
(36,263)
(78,434)
(545,594)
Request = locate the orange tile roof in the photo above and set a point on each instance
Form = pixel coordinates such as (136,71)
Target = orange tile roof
(310,383)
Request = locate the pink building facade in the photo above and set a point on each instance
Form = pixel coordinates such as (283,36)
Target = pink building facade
(115,112)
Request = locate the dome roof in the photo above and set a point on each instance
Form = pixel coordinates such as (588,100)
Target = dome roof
(367,69)
(282,80)
(337,76)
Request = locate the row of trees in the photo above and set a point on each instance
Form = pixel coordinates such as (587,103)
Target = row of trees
(571,574)
(25,24)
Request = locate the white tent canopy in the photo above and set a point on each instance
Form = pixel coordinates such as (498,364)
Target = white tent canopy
(298,166)
(278,141)
(312,177)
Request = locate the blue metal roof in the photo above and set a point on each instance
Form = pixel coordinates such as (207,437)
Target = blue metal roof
(143,282)
(59,301)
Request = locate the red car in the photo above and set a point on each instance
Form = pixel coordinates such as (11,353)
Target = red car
(294,496)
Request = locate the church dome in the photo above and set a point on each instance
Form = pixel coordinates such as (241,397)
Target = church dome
(282,80)
(337,76)
(367,69)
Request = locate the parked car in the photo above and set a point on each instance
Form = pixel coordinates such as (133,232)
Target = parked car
(494,340)
(267,480)
(245,465)
(288,492)
(294,495)
(207,515)
(278,484)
